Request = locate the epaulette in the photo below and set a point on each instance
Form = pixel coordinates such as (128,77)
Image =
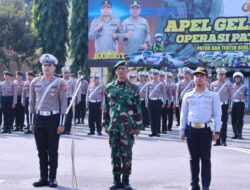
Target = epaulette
(211,89)
(36,79)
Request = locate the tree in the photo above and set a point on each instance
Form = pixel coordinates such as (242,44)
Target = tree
(50,21)
(17,42)
(79,36)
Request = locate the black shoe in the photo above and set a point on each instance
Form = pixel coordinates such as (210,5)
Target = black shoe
(157,135)
(240,137)
(125,182)
(41,183)
(99,133)
(117,183)
(4,131)
(164,132)
(90,133)
(16,129)
(169,129)
(52,183)
(194,188)
(177,124)
(224,144)
(152,135)
(28,132)
(9,131)
(235,137)
(205,188)
(217,144)
(21,129)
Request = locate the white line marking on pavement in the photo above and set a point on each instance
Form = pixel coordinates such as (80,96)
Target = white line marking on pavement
(239,149)
(1,181)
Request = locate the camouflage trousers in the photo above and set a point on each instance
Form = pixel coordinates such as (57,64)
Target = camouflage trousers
(121,152)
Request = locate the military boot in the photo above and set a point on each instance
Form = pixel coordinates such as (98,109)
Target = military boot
(117,183)
(125,181)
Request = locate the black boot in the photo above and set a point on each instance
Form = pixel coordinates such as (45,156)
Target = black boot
(125,181)
(117,183)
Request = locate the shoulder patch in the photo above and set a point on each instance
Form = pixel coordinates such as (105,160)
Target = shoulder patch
(189,90)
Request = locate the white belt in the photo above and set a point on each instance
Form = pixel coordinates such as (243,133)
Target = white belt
(223,103)
(238,100)
(198,125)
(47,113)
(94,101)
(155,98)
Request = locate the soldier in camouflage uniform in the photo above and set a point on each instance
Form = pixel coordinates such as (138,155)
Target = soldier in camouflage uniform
(122,120)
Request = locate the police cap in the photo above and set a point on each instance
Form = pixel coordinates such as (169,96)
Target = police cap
(106,3)
(48,59)
(200,70)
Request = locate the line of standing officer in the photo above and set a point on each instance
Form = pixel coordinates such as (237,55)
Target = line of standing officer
(94,103)
(8,99)
(19,109)
(239,102)
(25,98)
(47,107)
(156,98)
(142,86)
(70,88)
(81,107)
(223,88)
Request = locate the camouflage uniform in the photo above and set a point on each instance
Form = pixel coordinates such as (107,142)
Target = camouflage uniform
(122,115)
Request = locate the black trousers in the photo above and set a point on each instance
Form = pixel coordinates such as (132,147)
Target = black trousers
(237,117)
(69,117)
(95,117)
(81,109)
(199,146)
(47,142)
(164,119)
(170,115)
(155,115)
(19,113)
(8,112)
(26,109)
(224,119)
(177,112)
(145,114)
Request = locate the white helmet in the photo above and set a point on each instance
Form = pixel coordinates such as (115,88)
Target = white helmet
(202,54)
(216,54)
(158,35)
(238,74)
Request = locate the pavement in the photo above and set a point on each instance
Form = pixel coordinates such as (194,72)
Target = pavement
(159,163)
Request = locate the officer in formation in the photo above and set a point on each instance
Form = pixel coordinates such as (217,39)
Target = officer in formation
(156,98)
(142,86)
(132,77)
(136,30)
(170,102)
(106,29)
(47,107)
(25,98)
(199,107)
(19,109)
(94,103)
(162,79)
(122,120)
(81,107)
(70,88)
(183,86)
(8,99)
(239,102)
(180,77)
(223,89)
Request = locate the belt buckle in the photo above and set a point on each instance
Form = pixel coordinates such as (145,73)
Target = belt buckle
(197,126)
